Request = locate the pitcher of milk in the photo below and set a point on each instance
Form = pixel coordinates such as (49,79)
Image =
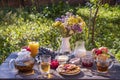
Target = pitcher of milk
(80,50)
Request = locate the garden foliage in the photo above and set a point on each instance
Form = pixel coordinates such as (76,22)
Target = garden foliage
(21,25)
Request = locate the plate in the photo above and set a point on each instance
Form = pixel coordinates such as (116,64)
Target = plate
(72,72)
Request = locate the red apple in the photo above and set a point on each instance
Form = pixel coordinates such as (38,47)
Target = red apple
(104,49)
(54,64)
(26,47)
(98,51)
(94,50)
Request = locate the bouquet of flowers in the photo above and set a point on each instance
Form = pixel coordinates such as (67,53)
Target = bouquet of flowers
(69,24)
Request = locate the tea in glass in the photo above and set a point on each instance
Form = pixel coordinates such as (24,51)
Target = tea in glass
(45,66)
(45,63)
(102,66)
(103,63)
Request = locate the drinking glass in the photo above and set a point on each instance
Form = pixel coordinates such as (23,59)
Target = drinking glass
(45,64)
(33,45)
(87,61)
(103,64)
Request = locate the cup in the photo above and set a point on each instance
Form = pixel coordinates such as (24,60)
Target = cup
(45,64)
(34,46)
(103,64)
(87,61)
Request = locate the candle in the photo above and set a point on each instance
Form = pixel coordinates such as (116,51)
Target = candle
(34,48)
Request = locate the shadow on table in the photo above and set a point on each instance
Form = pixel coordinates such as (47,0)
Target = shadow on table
(115,71)
(32,75)
(80,75)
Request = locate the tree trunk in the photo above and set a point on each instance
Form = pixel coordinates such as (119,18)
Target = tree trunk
(22,3)
(93,25)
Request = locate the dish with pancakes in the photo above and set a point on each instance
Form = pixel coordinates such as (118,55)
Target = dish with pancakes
(68,69)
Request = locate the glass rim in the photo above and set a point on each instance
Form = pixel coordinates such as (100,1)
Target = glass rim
(31,42)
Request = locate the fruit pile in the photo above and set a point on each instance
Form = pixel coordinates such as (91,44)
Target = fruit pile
(46,51)
(101,50)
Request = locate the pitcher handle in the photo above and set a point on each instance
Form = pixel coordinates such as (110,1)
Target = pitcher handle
(12,66)
(111,65)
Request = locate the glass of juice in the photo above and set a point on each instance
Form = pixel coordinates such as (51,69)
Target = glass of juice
(34,46)
(45,65)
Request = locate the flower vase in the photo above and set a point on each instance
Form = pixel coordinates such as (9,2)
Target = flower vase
(65,45)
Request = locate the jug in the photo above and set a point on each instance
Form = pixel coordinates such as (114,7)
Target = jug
(80,50)
(23,63)
(103,63)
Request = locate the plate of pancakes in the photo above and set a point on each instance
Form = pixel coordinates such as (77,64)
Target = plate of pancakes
(68,69)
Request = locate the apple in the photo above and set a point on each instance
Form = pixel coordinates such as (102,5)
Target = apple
(98,51)
(26,47)
(94,50)
(54,64)
(104,49)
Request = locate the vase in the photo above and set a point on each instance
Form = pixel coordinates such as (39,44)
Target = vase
(65,45)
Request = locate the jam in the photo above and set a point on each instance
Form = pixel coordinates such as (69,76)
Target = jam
(85,64)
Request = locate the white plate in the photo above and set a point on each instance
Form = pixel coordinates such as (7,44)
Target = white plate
(58,70)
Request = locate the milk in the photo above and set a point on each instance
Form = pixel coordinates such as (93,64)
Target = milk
(80,50)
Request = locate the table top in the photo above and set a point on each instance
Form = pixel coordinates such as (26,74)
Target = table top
(7,73)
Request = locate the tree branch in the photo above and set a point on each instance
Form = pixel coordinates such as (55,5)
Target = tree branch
(94,23)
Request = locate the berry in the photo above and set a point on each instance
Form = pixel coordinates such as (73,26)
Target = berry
(46,51)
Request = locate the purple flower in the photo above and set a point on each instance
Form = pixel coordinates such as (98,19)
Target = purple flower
(77,28)
(58,19)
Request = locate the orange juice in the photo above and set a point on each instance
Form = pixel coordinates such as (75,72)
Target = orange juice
(34,48)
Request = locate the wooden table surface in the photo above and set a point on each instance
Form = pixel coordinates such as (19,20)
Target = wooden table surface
(7,73)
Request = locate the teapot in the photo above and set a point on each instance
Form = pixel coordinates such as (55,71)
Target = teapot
(23,63)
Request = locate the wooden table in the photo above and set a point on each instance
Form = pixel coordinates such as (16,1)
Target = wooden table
(7,73)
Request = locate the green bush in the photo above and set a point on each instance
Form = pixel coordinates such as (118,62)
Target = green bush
(19,26)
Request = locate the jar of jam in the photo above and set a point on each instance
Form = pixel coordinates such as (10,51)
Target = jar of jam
(87,61)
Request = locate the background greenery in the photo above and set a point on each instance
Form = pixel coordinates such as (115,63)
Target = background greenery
(21,25)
